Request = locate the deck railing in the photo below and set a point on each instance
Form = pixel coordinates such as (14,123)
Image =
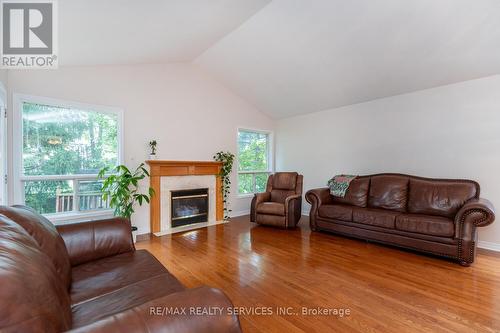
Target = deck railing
(85,202)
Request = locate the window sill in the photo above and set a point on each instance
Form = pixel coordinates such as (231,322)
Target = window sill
(72,217)
(248,195)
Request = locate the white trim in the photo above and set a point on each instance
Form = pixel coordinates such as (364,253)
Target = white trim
(18,178)
(489,246)
(270,156)
(3,145)
(245,195)
(65,218)
(240,213)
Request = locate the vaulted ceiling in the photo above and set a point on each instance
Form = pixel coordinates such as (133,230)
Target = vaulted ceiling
(290,57)
(99,32)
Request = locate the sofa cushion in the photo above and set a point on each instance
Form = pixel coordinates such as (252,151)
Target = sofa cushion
(46,235)
(32,297)
(271,208)
(112,273)
(284,180)
(389,192)
(337,212)
(440,197)
(426,224)
(115,284)
(356,194)
(377,217)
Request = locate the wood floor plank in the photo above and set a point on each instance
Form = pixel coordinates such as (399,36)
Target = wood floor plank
(386,289)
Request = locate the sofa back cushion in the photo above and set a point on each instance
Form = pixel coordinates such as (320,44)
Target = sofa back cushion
(440,197)
(46,235)
(356,194)
(389,192)
(32,298)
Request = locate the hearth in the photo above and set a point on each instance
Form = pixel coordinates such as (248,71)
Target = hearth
(189,206)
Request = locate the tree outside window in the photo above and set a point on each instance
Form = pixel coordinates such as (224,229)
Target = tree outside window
(63,150)
(253,161)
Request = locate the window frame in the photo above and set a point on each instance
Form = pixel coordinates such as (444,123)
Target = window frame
(270,159)
(17,153)
(3,145)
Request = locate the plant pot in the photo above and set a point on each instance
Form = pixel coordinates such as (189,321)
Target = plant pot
(152,156)
(134,234)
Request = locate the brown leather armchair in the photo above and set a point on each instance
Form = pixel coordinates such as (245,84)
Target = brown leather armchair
(281,204)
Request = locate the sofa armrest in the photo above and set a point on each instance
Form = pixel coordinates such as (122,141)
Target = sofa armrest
(256,200)
(319,196)
(202,309)
(475,213)
(316,198)
(87,241)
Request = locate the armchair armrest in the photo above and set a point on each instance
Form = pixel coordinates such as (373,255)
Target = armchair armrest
(316,198)
(87,241)
(293,209)
(202,309)
(475,213)
(256,200)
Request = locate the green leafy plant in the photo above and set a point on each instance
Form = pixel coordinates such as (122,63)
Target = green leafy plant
(122,189)
(227,160)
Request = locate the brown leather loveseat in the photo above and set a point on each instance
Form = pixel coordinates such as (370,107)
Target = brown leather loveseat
(88,277)
(436,216)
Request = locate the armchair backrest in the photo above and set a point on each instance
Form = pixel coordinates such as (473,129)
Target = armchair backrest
(284,184)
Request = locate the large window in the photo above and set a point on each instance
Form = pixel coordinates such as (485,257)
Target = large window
(63,146)
(254,160)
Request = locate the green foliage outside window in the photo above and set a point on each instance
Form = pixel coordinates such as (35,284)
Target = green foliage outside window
(253,155)
(64,141)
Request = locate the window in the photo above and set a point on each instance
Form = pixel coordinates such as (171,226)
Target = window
(254,161)
(61,149)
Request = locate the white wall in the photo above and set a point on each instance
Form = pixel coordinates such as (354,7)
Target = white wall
(3,77)
(162,102)
(451,131)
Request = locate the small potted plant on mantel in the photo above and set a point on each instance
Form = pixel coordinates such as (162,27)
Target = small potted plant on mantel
(121,188)
(152,145)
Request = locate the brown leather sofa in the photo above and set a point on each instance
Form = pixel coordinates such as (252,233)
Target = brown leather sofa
(281,204)
(436,216)
(88,277)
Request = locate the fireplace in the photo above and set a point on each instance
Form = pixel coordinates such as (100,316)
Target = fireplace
(189,206)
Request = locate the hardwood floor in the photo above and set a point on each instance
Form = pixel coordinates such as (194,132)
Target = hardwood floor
(385,289)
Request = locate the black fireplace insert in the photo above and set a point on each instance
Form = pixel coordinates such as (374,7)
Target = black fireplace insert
(189,206)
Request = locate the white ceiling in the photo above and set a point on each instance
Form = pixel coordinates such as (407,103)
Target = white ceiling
(290,57)
(300,56)
(97,32)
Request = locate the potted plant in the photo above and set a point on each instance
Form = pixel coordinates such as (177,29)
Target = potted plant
(121,188)
(152,145)
(227,160)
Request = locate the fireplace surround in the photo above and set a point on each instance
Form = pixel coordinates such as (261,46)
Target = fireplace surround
(168,176)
